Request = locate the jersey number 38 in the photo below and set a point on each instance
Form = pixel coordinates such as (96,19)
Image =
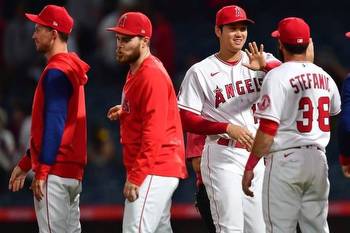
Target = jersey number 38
(307,108)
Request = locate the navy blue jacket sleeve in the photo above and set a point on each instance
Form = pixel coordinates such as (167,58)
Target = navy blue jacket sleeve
(344,120)
(57,91)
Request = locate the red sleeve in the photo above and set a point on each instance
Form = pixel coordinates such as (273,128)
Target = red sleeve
(270,65)
(25,163)
(195,123)
(154,108)
(42,171)
(194,145)
(269,127)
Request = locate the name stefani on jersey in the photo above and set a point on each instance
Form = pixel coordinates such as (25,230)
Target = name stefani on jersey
(240,87)
(309,80)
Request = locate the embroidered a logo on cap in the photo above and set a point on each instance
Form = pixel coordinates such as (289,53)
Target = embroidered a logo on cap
(238,12)
(299,41)
(122,20)
(54,23)
(143,31)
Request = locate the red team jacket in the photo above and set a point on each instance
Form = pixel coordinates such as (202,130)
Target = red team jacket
(72,154)
(151,131)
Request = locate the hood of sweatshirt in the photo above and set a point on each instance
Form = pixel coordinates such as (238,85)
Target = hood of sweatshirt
(75,67)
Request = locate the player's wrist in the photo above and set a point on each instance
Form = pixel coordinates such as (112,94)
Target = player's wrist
(253,160)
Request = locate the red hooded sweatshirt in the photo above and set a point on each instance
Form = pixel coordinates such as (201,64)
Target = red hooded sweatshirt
(72,154)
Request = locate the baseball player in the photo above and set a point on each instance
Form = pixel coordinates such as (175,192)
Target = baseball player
(344,126)
(216,97)
(297,100)
(151,132)
(57,151)
(194,148)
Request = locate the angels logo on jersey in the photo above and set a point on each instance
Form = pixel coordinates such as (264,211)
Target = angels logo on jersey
(264,103)
(125,104)
(219,97)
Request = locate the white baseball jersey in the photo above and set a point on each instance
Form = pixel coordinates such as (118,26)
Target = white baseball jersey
(300,96)
(222,92)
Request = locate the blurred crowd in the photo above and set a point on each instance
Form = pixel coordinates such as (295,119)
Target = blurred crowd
(183,34)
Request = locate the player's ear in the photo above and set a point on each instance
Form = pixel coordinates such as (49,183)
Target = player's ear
(280,45)
(145,41)
(55,33)
(218,31)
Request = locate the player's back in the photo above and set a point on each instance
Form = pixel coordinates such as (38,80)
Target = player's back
(304,96)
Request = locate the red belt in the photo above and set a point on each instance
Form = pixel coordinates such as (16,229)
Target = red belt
(226,142)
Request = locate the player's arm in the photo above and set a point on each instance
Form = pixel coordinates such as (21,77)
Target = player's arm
(262,144)
(57,90)
(344,129)
(194,147)
(195,123)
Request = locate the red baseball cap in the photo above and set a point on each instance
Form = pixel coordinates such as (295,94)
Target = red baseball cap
(347,34)
(133,24)
(231,14)
(55,17)
(293,31)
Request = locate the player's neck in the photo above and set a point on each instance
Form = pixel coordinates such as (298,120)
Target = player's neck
(136,65)
(294,57)
(57,48)
(229,56)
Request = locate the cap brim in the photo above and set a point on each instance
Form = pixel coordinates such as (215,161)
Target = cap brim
(347,34)
(275,34)
(247,21)
(121,31)
(35,19)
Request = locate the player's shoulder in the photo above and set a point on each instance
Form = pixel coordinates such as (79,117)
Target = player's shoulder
(153,70)
(202,67)
(204,64)
(269,56)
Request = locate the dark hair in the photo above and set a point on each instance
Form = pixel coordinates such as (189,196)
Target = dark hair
(63,36)
(296,49)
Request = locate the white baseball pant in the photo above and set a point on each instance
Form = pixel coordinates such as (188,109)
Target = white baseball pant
(58,211)
(150,213)
(232,211)
(296,189)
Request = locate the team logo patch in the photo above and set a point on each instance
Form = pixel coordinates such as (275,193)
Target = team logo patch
(126,106)
(238,12)
(264,103)
(122,20)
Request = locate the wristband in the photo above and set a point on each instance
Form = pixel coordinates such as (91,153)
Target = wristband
(252,162)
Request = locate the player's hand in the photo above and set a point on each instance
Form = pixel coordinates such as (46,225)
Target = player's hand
(196,164)
(131,191)
(37,187)
(346,170)
(114,112)
(17,179)
(256,57)
(310,51)
(241,134)
(247,182)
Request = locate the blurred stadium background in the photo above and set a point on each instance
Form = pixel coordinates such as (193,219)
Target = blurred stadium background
(183,34)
